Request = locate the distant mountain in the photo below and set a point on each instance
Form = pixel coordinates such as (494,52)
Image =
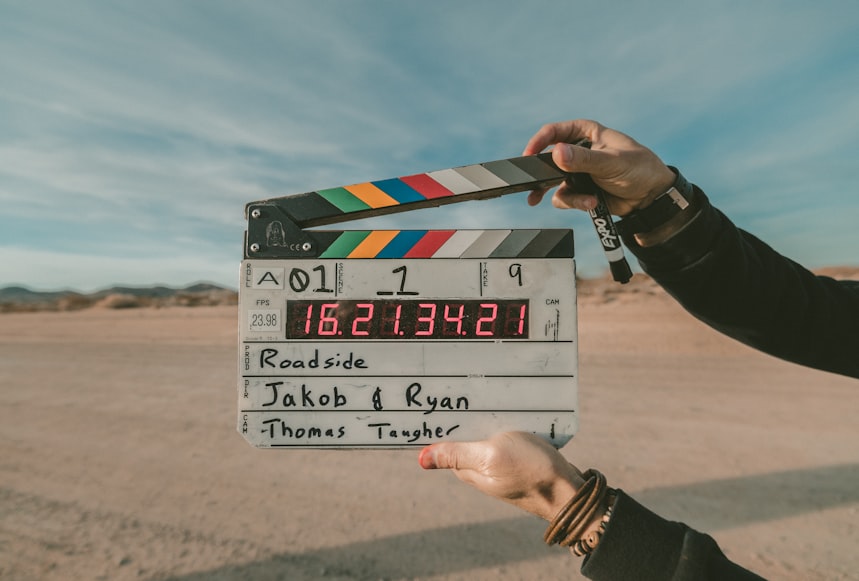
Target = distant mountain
(19,298)
(24,295)
(157,291)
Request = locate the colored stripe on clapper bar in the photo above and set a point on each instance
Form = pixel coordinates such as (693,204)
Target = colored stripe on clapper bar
(367,196)
(450,244)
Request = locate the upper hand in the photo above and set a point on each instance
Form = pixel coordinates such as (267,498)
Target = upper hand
(631,174)
(516,467)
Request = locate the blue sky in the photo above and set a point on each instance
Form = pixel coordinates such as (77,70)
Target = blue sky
(133,133)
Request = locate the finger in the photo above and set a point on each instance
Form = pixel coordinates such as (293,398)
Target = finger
(562,132)
(564,200)
(536,196)
(567,200)
(452,455)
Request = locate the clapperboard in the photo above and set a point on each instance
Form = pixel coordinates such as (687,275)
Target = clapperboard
(400,338)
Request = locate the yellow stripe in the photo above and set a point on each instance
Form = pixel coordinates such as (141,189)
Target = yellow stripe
(371,195)
(373,244)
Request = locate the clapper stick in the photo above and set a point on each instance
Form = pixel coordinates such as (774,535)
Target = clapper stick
(292,215)
(413,192)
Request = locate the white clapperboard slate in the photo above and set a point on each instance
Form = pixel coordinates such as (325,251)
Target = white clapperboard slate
(401,338)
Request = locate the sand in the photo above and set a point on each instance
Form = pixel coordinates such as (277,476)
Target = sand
(119,459)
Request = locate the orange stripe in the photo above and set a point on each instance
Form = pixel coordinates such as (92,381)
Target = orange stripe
(371,195)
(373,244)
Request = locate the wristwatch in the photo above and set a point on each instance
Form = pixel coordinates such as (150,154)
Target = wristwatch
(677,199)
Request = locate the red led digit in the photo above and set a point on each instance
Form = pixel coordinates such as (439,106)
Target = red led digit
(429,320)
(308,317)
(356,332)
(326,320)
(514,323)
(493,308)
(456,319)
(387,318)
(521,327)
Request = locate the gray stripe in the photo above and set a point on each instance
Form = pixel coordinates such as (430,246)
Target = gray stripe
(514,244)
(481,176)
(483,246)
(508,172)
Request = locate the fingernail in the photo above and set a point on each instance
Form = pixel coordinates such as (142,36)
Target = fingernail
(566,152)
(427,458)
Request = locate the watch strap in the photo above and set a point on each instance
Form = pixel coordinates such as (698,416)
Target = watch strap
(678,197)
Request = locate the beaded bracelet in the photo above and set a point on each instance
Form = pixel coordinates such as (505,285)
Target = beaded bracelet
(587,545)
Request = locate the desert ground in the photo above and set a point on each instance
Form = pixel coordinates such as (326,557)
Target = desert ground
(119,458)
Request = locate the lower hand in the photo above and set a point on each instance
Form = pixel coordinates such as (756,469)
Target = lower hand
(516,467)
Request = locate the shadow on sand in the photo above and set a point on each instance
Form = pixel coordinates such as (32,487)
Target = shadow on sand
(708,506)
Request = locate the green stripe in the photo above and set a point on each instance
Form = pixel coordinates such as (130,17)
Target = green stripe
(345,244)
(343,199)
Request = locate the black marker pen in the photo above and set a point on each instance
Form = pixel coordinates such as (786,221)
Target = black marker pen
(601,217)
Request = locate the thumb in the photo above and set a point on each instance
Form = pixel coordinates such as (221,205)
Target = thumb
(451,455)
(574,158)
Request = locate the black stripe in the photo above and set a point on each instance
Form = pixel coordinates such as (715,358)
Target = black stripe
(308,206)
(550,244)
(534,166)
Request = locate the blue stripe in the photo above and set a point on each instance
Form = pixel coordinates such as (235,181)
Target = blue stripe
(399,190)
(402,243)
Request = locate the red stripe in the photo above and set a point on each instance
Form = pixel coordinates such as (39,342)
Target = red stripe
(429,244)
(428,187)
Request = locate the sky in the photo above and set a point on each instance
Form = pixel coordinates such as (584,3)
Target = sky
(132,134)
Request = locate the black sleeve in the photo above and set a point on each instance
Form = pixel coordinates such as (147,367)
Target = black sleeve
(740,286)
(638,544)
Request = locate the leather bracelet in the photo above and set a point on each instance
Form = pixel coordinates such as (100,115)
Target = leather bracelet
(678,198)
(570,524)
(587,544)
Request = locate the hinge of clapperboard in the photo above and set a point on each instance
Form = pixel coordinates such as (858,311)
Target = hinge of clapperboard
(280,227)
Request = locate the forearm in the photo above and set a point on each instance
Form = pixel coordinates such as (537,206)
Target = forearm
(740,286)
(638,544)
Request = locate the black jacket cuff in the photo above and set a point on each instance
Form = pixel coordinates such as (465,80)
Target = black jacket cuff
(686,246)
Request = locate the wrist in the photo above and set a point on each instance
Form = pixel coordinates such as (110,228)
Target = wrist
(660,187)
(665,215)
(558,494)
(583,520)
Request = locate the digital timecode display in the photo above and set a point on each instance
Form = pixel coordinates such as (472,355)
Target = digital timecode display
(421,319)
